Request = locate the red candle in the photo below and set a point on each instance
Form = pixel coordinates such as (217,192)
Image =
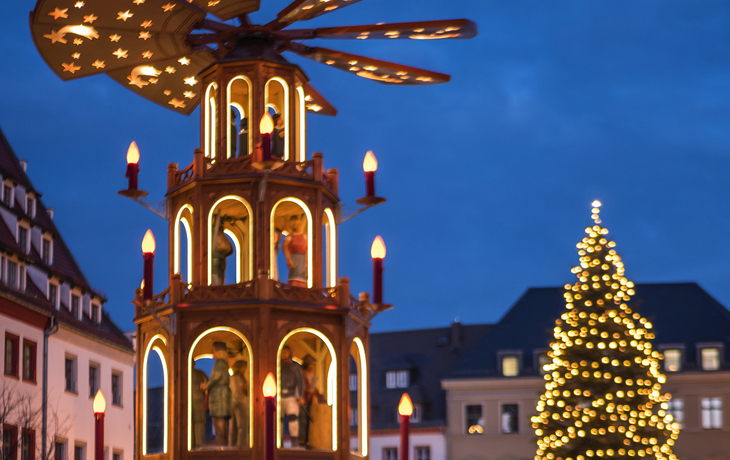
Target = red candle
(405,409)
(270,416)
(370,165)
(132,165)
(99,408)
(148,253)
(266,127)
(377,252)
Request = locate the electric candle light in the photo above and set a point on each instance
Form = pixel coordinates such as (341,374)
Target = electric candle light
(269,390)
(99,409)
(370,165)
(377,252)
(132,165)
(266,127)
(405,410)
(148,252)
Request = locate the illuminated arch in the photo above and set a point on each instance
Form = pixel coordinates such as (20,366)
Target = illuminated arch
(362,386)
(242,111)
(237,244)
(284,113)
(310,237)
(210,128)
(250,234)
(331,350)
(302,124)
(176,246)
(165,395)
(190,380)
(331,241)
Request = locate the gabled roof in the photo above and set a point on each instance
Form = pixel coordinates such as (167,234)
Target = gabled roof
(428,355)
(681,313)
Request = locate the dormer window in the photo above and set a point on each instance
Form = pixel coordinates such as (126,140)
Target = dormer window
(75,303)
(397,379)
(46,250)
(95,313)
(53,295)
(30,206)
(509,363)
(7,195)
(23,238)
(12,274)
(673,360)
(710,358)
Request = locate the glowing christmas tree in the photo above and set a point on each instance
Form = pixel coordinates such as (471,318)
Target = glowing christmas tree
(603,389)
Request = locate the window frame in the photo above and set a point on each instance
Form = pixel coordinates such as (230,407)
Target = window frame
(465,415)
(671,347)
(33,361)
(25,246)
(701,347)
(30,445)
(676,410)
(416,452)
(7,198)
(82,447)
(390,449)
(502,406)
(74,309)
(30,203)
(12,268)
(73,375)
(14,357)
(62,443)
(55,301)
(47,253)
(11,431)
(97,378)
(710,411)
(117,397)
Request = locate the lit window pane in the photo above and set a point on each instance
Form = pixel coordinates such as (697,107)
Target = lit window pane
(672,360)
(710,359)
(711,413)
(510,366)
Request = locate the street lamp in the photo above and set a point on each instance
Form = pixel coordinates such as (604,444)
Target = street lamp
(99,408)
(405,409)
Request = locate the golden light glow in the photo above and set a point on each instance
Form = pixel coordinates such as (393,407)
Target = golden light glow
(82,30)
(370,163)
(331,384)
(329,223)
(269,386)
(406,406)
(284,111)
(248,275)
(152,347)
(133,153)
(237,253)
(267,124)
(99,403)
(377,250)
(362,386)
(189,237)
(148,243)
(272,254)
(302,117)
(244,112)
(209,121)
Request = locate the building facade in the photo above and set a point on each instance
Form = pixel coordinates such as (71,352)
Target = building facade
(59,344)
(493,391)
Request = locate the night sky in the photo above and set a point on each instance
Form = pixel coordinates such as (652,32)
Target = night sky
(489,178)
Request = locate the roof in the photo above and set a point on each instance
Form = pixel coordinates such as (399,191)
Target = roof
(429,355)
(681,313)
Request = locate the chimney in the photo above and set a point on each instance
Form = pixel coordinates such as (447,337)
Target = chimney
(50,212)
(23,164)
(456,334)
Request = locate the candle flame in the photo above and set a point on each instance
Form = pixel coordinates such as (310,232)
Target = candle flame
(141,285)
(148,243)
(406,406)
(370,163)
(596,204)
(377,250)
(267,124)
(269,386)
(99,403)
(133,153)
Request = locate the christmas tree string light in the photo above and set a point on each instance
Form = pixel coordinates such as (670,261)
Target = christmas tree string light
(602,394)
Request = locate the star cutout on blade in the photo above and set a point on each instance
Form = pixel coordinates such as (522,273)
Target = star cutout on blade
(78,41)
(76,55)
(144,35)
(167,92)
(147,54)
(58,13)
(139,2)
(90,18)
(184,61)
(115,37)
(190,81)
(146,24)
(56,37)
(120,53)
(79,4)
(213,3)
(70,67)
(136,81)
(99,64)
(189,94)
(124,15)
(168,7)
(170,70)
(177,104)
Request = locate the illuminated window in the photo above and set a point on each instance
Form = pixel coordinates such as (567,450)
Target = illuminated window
(29,360)
(673,360)
(474,419)
(396,379)
(277,104)
(510,365)
(676,410)
(509,420)
(12,342)
(116,388)
(711,413)
(239,111)
(70,373)
(710,359)
(93,379)
(390,453)
(542,361)
(423,453)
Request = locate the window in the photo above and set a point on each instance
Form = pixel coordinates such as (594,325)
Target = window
(79,452)
(59,450)
(474,419)
(30,206)
(7,195)
(46,251)
(12,274)
(711,413)
(93,379)
(95,316)
(29,360)
(509,418)
(675,407)
(75,301)
(21,278)
(396,379)
(542,361)
(710,359)
(117,456)
(423,453)
(390,453)
(510,365)
(353,382)
(353,417)
(116,389)
(10,442)
(23,238)
(53,295)
(70,373)
(417,413)
(12,343)
(673,360)
(27,445)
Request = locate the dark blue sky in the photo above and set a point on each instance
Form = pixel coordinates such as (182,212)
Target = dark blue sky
(489,178)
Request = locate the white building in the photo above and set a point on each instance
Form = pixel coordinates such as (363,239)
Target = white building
(57,339)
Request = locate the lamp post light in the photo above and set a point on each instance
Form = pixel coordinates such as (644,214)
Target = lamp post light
(405,410)
(99,408)
(148,252)
(377,252)
(269,390)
